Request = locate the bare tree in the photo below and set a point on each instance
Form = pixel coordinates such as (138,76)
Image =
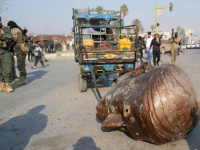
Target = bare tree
(63,41)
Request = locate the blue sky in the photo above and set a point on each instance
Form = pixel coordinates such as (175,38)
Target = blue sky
(55,16)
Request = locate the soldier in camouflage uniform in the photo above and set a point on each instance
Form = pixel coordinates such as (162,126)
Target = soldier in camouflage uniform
(174,47)
(15,78)
(21,50)
(5,59)
(30,47)
(138,46)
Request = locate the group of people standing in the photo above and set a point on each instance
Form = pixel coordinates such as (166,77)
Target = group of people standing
(152,46)
(48,45)
(14,42)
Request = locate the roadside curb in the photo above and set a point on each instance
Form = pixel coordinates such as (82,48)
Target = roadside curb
(59,55)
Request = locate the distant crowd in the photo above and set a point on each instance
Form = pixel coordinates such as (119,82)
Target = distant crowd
(47,46)
(152,46)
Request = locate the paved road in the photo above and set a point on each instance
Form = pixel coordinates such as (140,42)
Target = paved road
(49,113)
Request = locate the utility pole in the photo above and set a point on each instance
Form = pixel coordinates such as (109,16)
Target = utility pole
(156,18)
(161,7)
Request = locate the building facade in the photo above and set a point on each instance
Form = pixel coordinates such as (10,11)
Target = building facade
(189,33)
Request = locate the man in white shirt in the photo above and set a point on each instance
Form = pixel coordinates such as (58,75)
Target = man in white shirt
(148,43)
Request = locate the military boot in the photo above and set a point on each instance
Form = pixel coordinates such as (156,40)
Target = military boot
(22,81)
(15,80)
(2,87)
(9,87)
(18,79)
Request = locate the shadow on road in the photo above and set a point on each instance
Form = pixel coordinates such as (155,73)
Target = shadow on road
(85,143)
(193,138)
(16,132)
(46,65)
(31,76)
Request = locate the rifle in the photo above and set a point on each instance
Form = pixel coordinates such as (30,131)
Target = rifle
(173,34)
(4,38)
(160,37)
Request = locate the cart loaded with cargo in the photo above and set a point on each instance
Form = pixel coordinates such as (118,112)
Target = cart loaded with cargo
(102,44)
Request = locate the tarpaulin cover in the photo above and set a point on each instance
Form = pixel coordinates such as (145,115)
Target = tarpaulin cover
(96,16)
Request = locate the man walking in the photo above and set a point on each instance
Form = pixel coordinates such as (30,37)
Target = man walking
(174,47)
(156,49)
(148,43)
(6,64)
(51,44)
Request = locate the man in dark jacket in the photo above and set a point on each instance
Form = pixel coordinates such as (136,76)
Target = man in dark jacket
(30,47)
(51,44)
(156,49)
(46,45)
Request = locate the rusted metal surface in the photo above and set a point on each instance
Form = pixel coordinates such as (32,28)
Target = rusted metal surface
(158,105)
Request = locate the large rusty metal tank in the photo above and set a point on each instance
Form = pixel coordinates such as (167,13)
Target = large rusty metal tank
(157,105)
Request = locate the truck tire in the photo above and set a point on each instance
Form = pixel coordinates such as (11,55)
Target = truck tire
(162,51)
(121,74)
(82,83)
(75,57)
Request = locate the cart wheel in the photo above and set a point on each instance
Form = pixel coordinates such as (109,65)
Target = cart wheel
(75,57)
(121,74)
(76,60)
(114,82)
(82,83)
